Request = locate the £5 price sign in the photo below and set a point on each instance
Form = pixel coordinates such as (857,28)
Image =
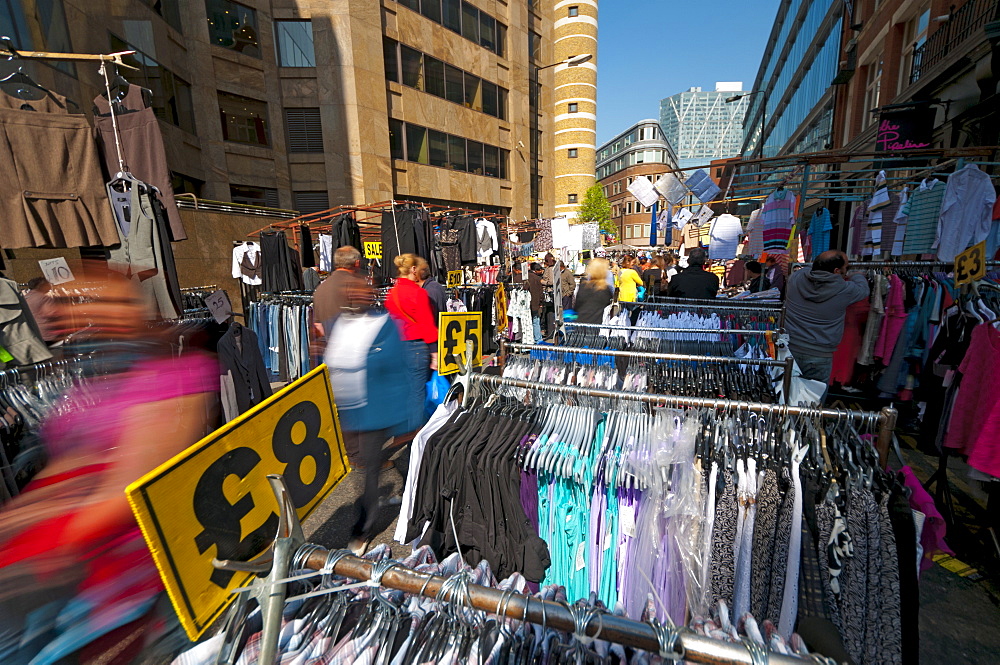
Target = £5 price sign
(454,329)
(214,501)
(970,265)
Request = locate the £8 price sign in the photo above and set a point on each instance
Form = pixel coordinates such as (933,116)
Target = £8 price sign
(454,329)
(214,501)
(970,265)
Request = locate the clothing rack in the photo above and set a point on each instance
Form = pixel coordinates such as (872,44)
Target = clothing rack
(692,331)
(859,265)
(788,363)
(15,372)
(290,552)
(724,303)
(8,51)
(886,418)
(207,287)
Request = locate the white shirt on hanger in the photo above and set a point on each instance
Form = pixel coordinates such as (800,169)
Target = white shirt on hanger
(966,212)
(239,251)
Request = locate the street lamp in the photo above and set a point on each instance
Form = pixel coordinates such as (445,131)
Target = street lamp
(763,113)
(571,61)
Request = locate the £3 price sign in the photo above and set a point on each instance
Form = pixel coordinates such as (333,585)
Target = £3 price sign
(214,501)
(373,250)
(454,329)
(970,265)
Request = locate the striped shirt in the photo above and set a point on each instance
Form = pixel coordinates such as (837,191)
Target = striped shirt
(923,211)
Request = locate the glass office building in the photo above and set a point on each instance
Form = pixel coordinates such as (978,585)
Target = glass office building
(793,93)
(701,125)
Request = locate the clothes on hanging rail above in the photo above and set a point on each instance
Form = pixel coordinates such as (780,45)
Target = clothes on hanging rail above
(20,336)
(281,269)
(283,325)
(245,382)
(778,215)
(247,263)
(966,212)
(141,148)
(47,203)
(923,210)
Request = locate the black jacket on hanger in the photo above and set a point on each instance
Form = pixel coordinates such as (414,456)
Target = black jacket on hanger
(247,365)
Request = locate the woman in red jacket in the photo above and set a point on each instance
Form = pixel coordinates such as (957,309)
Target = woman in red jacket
(410,306)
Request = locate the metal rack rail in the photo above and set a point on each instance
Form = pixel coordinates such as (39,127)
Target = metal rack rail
(886,418)
(691,331)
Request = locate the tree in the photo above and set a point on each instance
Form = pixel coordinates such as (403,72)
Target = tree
(595,208)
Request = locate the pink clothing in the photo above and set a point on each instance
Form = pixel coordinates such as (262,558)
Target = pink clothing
(974,428)
(894,321)
(932,536)
(93,428)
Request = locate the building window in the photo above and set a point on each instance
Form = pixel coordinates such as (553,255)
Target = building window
(411,67)
(396,149)
(474,163)
(913,40)
(571,198)
(233,26)
(453,15)
(873,88)
(438,148)
(172,101)
(294,42)
(183,184)
(305,130)
(470,22)
(244,120)
(454,80)
(573,11)
(391,57)
(254,196)
(573,107)
(571,153)
(307,202)
(434,76)
(456,154)
(628,232)
(535,46)
(431,9)
(472,97)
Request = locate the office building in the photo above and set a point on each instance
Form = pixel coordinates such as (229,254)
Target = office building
(701,125)
(793,94)
(575,103)
(641,150)
(304,105)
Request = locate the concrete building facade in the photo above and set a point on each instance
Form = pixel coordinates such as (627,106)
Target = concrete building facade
(701,125)
(641,150)
(307,104)
(574,102)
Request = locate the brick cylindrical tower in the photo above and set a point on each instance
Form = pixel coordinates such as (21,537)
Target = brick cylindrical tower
(575,99)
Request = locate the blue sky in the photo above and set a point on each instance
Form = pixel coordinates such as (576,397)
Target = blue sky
(651,49)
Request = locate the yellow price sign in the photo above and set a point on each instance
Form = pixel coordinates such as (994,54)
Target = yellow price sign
(455,278)
(970,265)
(213,500)
(373,250)
(454,329)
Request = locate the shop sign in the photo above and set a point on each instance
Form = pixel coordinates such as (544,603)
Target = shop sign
(970,265)
(56,271)
(213,500)
(455,278)
(905,129)
(373,250)
(454,329)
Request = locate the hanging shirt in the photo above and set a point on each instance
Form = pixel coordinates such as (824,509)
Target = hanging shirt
(755,234)
(901,222)
(975,421)
(246,263)
(923,211)
(966,212)
(819,230)
(724,236)
(779,218)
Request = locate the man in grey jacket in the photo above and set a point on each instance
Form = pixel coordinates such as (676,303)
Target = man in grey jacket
(816,300)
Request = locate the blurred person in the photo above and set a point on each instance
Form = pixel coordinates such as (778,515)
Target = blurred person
(817,302)
(536,301)
(669,270)
(436,292)
(594,294)
(694,281)
(368,371)
(775,274)
(76,576)
(549,263)
(39,299)
(567,285)
(331,295)
(756,279)
(628,281)
(641,266)
(410,307)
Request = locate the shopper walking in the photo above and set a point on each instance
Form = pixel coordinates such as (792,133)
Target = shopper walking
(594,294)
(410,307)
(567,285)
(815,306)
(694,281)
(436,292)
(368,371)
(628,281)
(330,296)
